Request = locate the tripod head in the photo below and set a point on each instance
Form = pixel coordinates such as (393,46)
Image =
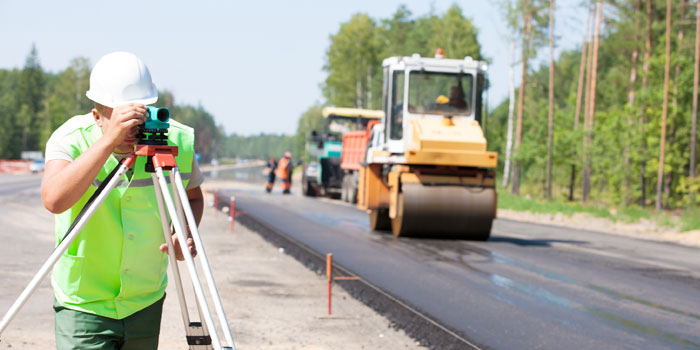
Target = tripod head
(153,139)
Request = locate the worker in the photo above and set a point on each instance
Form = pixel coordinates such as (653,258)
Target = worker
(457,98)
(284,171)
(270,170)
(109,285)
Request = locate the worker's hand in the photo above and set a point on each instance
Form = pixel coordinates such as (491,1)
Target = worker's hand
(178,251)
(122,125)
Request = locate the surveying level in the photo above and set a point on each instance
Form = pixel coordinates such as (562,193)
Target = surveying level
(157,118)
(160,157)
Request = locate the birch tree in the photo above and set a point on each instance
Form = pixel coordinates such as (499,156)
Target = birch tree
(693,129)
(583,68)
(664,113)
(590,115)
(550,128)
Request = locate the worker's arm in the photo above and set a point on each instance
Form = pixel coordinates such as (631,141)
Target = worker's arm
(196,199)
(65,182)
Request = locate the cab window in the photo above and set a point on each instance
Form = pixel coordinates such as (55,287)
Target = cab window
(396,122)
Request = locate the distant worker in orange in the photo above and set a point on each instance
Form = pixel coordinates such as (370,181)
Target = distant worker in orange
(270,169)
(284,171)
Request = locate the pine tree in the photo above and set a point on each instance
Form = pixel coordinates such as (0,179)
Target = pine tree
(30,95)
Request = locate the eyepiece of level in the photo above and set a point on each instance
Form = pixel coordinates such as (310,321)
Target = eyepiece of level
(158,118)
(163,115)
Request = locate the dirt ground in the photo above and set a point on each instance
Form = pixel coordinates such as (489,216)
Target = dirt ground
(271,300)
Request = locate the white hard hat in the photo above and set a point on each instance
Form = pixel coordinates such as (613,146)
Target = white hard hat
(121,78)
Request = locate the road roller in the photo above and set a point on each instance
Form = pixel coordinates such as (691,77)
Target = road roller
(427,171)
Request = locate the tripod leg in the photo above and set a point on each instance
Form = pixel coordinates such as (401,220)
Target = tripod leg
(181,215)
(176,181)
(183,219)
(171,255)
(179,230)
(63,246)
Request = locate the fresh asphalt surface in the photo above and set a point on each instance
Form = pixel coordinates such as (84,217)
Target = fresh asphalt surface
(529,287)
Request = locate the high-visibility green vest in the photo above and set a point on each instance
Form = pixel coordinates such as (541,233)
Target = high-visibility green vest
(114,267)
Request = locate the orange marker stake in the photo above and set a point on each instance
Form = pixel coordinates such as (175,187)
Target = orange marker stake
(329,276)
(216,200)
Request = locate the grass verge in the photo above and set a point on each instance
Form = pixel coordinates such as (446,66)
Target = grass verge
(520,203)
(685,220)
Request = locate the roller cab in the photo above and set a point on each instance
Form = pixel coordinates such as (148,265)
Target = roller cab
(431,175)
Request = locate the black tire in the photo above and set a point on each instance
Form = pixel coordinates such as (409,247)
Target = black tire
(352,195)
(397,224)
(354,181)
(308,189)
(334,195)
(344,189)
(379,220)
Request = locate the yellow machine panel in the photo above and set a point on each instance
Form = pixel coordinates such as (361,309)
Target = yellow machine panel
(449,142)
(372,192)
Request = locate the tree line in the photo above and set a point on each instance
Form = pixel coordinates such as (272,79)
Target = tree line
(34,103)
(613,121)
(261,146)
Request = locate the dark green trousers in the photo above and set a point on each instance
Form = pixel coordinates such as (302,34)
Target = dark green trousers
(79,330)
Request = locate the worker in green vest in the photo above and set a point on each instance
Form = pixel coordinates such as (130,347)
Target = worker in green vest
(110,284)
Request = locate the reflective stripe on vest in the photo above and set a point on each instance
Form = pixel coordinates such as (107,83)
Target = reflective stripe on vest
(142,182)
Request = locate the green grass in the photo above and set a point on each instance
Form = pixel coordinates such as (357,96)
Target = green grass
(633,214)
(509,201)
(689,219)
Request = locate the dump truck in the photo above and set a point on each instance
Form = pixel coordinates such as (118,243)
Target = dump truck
(353,154)
(428,172)
(324,176)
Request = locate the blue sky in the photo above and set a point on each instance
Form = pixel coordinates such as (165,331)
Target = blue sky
(255,65)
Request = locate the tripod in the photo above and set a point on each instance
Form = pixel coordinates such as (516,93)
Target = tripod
(160,157)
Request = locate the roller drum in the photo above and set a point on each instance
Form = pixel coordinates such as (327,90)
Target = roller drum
(458,212)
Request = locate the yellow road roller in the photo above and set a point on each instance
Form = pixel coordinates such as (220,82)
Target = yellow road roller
(427,171)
